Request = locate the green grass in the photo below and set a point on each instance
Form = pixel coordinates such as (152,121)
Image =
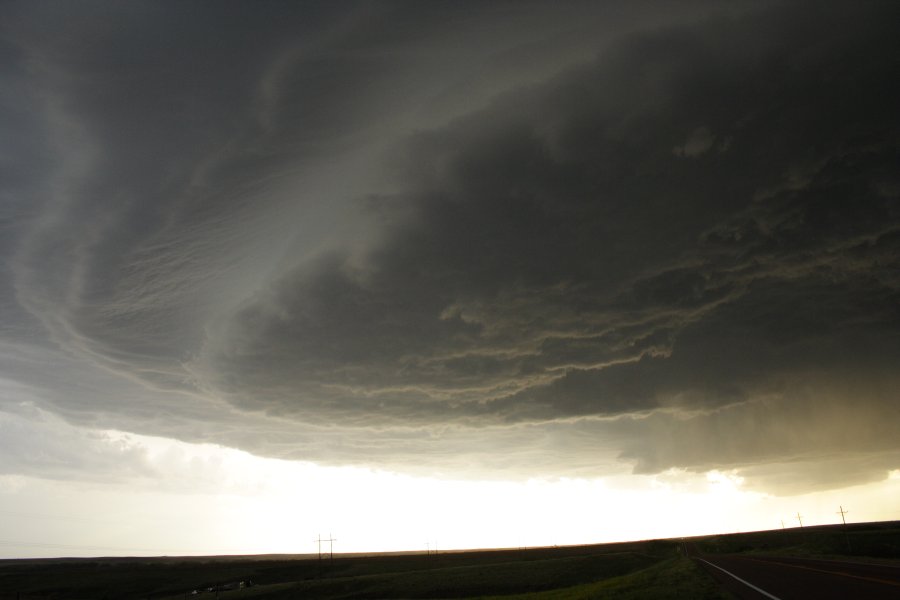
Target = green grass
(647,569)
(522,576)
(678,577)
(862,540)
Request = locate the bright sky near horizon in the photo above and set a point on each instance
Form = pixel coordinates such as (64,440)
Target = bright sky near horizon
(217,500)
(446,275)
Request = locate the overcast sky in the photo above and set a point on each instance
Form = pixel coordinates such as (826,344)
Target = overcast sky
(446,244)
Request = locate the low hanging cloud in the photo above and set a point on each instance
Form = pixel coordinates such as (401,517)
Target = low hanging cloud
(534,264)
(680,253)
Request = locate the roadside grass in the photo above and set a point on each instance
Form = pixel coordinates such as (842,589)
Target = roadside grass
(501,579)
(678,577)
(643,569)
(879,541)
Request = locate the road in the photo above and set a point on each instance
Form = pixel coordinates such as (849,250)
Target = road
(785,578)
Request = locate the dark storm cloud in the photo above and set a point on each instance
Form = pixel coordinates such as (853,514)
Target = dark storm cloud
(661,253)
(186,150)
(580,248)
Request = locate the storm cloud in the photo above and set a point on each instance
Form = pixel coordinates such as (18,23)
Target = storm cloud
(670,242)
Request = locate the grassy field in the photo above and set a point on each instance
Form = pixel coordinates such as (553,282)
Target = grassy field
(678,577)
(646,570)
(861,540)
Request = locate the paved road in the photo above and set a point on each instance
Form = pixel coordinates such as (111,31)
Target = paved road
(783,578)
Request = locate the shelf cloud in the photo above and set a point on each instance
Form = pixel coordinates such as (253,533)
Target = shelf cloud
(470,238)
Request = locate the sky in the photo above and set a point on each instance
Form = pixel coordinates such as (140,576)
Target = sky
(420,275)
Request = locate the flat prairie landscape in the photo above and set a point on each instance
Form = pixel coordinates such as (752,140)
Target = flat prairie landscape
(505,278)
(670,568)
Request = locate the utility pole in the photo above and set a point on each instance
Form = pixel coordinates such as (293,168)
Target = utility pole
(843,512)
(782,523)
(799,518)
(330,541)
(318,540)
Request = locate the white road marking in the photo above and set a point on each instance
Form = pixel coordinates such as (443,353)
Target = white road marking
(744,581)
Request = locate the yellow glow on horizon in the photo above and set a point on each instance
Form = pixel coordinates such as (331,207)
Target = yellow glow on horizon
(269,505)
(206,499)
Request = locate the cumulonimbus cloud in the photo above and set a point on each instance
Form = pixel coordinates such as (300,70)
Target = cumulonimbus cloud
(688,233)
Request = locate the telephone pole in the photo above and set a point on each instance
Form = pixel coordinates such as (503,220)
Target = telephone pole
(319,539)
(331,542)
(843,512)
(799,518)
